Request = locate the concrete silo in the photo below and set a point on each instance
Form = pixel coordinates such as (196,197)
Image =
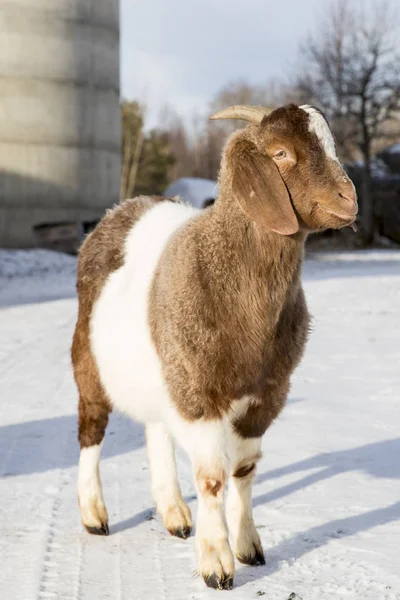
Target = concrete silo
(59,113)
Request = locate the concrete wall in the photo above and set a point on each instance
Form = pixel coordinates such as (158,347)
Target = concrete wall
(59,113)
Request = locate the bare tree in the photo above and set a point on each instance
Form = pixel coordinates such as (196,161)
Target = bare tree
(210,137)
(132,145)
(272,93)
(147,157)
(179,142)
(352,70)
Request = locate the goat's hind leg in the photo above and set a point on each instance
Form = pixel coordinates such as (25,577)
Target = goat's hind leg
(93,419)
(94,409)
(165,487)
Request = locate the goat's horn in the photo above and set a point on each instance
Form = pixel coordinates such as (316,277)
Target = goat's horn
(254,114)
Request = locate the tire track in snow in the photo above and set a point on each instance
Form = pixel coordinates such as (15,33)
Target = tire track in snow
(158,555)
(118,515)
(63,559)
(62,564)
(8,454)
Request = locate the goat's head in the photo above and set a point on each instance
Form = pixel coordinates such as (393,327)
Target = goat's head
(284,172)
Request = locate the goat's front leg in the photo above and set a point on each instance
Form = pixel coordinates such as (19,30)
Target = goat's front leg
(246,542)
(166,491)
(205,442)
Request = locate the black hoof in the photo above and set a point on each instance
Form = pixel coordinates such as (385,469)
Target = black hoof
(103,530)
(181,532)
(255,561)
(215,582)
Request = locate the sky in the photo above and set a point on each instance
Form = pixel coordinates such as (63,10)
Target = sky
(181,52)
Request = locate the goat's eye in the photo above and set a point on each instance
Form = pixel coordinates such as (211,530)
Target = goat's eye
(280,154)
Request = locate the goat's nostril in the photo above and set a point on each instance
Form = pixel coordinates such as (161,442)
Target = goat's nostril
(351,198)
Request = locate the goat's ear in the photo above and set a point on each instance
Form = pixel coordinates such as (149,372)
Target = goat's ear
(260,190)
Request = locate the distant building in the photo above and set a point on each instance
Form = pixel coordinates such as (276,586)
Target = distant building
(59,113)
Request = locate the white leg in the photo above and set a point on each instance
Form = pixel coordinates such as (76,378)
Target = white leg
(205,442)
(245,540)
(93,511)
(165,487)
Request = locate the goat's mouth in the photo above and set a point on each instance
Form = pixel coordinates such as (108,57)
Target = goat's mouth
(349,219)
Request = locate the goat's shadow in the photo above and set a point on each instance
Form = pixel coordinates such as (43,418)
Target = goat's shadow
(46,444)
(379,459)
(291,549)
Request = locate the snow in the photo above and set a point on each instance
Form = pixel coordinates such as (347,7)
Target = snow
(326,496)
(28,276)
(20,263)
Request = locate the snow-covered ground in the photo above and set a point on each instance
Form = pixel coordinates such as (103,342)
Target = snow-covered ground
(327,495)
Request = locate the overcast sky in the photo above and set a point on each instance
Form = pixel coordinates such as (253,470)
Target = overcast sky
(181,52)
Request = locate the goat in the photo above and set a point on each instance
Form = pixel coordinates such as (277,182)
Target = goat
(192,322)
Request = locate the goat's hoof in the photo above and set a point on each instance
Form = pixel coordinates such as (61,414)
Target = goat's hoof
(255,560)
(181,532)
(103,530)
(218,583)
(178,520)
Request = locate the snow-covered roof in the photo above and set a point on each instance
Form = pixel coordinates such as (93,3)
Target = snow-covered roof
(395,149)
(193,189)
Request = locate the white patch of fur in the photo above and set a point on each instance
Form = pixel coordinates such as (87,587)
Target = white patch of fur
(129,367)
(239,512)
(320,127)
(204,441)
(206,444)
(214,554)
(161,455)
(89,487)
(88,480)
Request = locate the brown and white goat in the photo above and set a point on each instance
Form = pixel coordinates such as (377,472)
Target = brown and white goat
(192,322)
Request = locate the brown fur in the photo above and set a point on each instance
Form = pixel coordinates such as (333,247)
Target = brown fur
(226,310)
(315,181)
(266,200)
(212,487)
(245,470)
(100,255)
(240,327)
(232,320)
(210,483)
(246,466)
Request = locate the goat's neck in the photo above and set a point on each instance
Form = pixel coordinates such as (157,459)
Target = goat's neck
(251,267)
